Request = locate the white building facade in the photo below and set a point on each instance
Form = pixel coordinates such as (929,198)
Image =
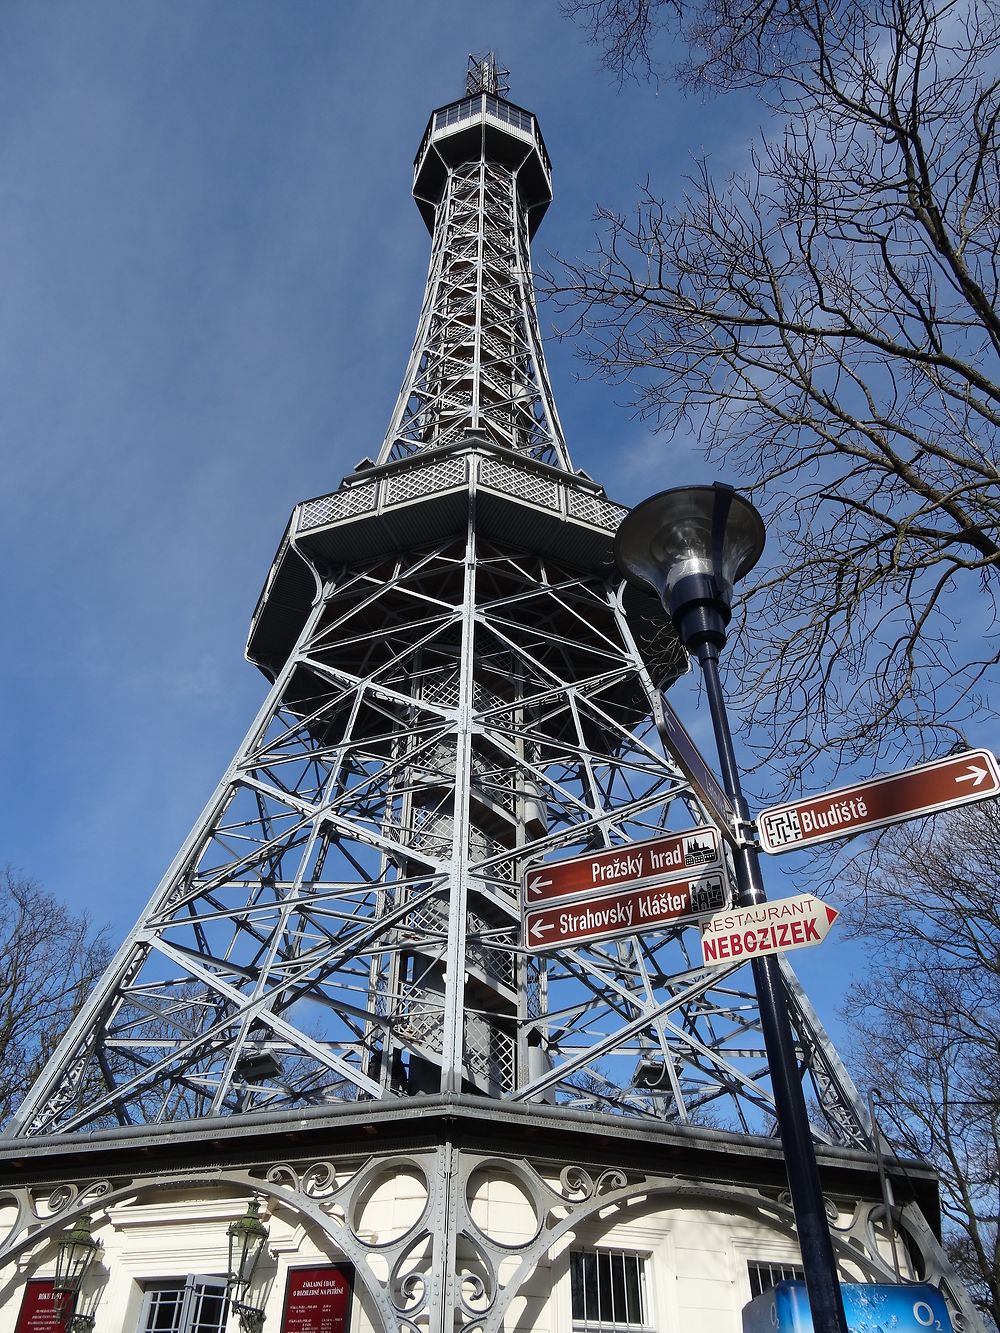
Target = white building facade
(452,1213)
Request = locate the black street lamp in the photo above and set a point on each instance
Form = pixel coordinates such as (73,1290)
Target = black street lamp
(691,545)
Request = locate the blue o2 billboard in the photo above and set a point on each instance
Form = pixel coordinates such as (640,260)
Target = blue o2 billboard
(870,1308)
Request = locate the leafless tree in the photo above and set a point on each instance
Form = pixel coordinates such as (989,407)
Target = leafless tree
(724,43)
(826,323)
(625,31)
(927,1016)
(50,958)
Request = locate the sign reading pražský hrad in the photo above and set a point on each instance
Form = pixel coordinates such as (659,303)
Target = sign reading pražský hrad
(972,775)
(740,933)
(672,856)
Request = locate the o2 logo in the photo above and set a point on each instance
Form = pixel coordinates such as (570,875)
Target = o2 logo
(904,1307)
(926,1318)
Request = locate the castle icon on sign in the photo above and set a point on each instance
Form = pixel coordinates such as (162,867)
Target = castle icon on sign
(698,851)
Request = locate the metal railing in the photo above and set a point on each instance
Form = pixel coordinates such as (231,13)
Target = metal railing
(489,473)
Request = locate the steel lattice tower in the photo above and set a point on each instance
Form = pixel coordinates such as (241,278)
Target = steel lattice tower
(459,688)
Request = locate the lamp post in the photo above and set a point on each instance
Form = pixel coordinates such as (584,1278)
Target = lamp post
(691,545)
(77,1250)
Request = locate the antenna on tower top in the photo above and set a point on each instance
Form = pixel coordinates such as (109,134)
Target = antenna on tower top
(484,75)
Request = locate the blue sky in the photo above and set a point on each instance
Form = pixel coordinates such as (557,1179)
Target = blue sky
(211,270)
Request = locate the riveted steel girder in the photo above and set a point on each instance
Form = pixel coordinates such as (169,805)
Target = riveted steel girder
(343,922)
(459,691)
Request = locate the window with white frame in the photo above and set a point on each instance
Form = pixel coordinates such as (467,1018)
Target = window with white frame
(764,1275)
(193,1305)
(609,1291)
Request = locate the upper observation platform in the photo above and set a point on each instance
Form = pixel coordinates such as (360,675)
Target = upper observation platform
(483,126)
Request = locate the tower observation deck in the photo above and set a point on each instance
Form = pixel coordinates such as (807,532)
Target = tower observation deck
(459,689)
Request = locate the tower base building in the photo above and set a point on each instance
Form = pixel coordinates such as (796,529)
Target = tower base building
(324,1085)
(446,1213)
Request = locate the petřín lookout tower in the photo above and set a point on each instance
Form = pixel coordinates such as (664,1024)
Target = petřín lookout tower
(327,1004)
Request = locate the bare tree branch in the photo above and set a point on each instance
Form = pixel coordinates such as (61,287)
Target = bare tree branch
(827,323)
(49,960)
(926,897)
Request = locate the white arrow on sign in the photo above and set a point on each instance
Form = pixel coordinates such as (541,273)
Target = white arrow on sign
(976,775)
(746,932)
(536,884)
(537,930)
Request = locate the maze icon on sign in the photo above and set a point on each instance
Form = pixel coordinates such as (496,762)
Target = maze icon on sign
(783,828)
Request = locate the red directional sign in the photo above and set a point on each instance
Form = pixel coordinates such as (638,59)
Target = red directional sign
(972,775)
(674,856)
(691,762)
(627,912)
(744,932)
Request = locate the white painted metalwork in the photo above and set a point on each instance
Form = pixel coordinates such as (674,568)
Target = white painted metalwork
(451,1266)
(477,361)
(457,692)
(332,962)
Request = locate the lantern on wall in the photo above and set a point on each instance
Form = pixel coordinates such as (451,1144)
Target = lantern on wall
(247,1241)
(77,1250)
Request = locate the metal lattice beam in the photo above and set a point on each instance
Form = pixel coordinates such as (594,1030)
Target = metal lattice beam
(459,691)
(343,922)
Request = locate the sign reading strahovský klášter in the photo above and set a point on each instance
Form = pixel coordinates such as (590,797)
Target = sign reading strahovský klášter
(624,912)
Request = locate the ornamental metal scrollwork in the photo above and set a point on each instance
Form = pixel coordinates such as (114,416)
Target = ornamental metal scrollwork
(829,1207)
(411,1291)
(473,1293)
(91,1193)
(61,1198)
(477,1291)
(609,1181)
(578,1184)
(319,1181)
(67,1195)
(282,1174)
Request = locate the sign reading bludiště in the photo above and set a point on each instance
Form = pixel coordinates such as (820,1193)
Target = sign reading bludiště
(973,775)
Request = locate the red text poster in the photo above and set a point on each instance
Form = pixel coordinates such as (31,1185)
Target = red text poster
(39,1311)
(317,1300)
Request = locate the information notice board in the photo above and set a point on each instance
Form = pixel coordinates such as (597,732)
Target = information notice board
(39,1312)
(317,1300)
